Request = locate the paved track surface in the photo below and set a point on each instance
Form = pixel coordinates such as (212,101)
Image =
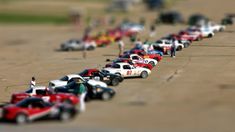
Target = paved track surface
(192,93)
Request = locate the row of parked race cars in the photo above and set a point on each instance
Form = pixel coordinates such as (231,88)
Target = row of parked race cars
(59,99)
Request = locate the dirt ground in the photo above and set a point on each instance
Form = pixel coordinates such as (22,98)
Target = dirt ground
(192,93)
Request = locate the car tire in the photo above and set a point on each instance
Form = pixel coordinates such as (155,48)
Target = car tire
(90,48)
(21,118)
(105,96)
(186,45)
(144,74)
(152,63)
(210,35)
(65,116)
(70,49)
(168,52)
(118,74)
(115,82)
(179,48)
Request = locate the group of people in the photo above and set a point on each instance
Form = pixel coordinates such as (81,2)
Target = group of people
(82,91)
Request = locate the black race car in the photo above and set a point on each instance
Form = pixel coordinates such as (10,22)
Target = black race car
(108,78)
(93,92)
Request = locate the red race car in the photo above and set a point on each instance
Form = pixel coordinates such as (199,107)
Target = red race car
(46,95)
(191,37)
(148,66)
(143,54)
(31,109)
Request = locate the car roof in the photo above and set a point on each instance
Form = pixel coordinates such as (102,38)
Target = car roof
(123,63)
(73,75)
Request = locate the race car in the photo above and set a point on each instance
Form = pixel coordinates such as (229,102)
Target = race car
(131,28)
(127,70)
(126,60)
(137,59)
(110,79)
(157,55)
(45,94)
(190,36)
(74,44)
(64,80)
(206,32)
(31,109)
(166,45)
(93,92)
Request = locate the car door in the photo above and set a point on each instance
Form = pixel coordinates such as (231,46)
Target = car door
(37,110)
(127,70)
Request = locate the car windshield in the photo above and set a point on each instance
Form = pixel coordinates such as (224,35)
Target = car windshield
(65,78)
(83,73)
(115,66)
(23,103)
(125,56)
(159,41)
(29,90)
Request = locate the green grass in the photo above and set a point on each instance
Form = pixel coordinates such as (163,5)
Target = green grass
(32,19)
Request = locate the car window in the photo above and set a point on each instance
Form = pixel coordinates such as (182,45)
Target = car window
(126,56)
(159,41)
(167,42)
(83,73)
(23,104)
(65,78)
(126,67)
(135,58)
(115,66)
(37,104)
(41,92)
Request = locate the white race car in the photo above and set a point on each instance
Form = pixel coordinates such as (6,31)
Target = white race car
(168,44)
(127,70)
(138,59)
(205,31)
(74,44)
(64,80)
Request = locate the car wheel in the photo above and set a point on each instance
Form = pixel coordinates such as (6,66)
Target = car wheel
(168,52)
(221,29)
(144,74)
(186,45)
(115,81)
(21,119)
(70,49)
(65,116)
(91,48)
(118,74)
(210,35)
(106,96)
(152,63)
(179,48)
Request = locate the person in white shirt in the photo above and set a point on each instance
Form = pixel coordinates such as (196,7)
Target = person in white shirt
(32,83)
(120,46)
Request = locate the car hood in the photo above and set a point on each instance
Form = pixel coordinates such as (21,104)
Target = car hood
(95,83)
(57,83)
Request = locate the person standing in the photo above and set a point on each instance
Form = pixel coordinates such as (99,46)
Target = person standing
(138,44)
(82,94)
(120,46)
(32,83)
(152,31)
(173,48)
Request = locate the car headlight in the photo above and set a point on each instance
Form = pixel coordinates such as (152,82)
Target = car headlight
(99,90)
